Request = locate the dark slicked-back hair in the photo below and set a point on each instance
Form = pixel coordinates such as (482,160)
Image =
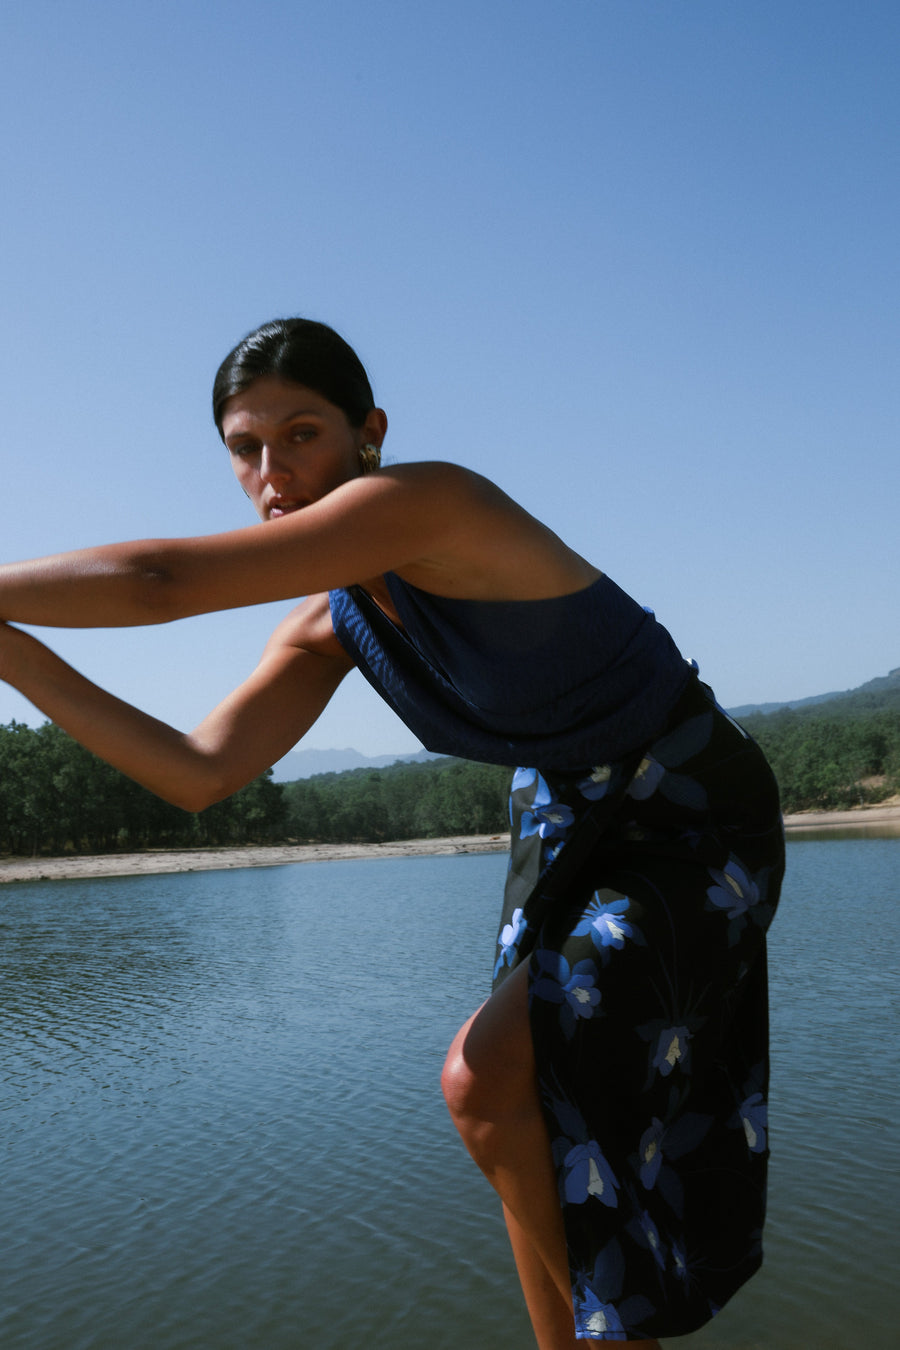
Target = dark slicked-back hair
(304,352)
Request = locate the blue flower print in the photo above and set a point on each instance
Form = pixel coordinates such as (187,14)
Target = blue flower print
(603,920)
(570,1121)
(600,1311)
(597,782)
(669,1040)
(672,1048)
(551,970)
(546,817)
(548,821)
(646,779)
(588,1174)
(650,1153)
(522,779)
(734,890)
(597,1320)
(551,850)
(754,1118)
(510,936)
(582,994)
(656,770)
(574,988)
(679,1262)
(663,1143)
(644,1230)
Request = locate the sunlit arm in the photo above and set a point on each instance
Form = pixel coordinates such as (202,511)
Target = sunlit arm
(359,530)
(252,728)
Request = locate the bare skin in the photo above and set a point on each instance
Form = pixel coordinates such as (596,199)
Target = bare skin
(490,1086)
(437,526)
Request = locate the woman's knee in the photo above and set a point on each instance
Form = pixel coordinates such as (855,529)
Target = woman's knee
(456,1078)
(479,1113)
(465,1085)
(488,1075)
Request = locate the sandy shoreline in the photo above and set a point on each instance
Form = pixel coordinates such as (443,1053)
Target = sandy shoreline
(156,861)
(861,817)
(218,859)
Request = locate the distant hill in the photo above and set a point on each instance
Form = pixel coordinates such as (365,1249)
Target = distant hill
(749,709)
(305,763)
(882,692)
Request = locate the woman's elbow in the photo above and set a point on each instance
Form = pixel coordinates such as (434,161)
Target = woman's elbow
(197,797)
(191,802)
(158,589)
(194,790)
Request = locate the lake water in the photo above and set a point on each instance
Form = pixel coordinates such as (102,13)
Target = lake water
(222,1127)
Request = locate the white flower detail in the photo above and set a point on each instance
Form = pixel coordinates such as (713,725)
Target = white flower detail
(595,1184)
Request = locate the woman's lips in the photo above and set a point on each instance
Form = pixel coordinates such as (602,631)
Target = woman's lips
(284,508)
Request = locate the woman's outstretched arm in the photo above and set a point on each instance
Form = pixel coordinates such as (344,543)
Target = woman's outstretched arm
(156,580)
(361,529)
(250,729)
(441,527)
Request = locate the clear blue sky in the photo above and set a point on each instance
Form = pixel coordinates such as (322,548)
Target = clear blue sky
(635,259)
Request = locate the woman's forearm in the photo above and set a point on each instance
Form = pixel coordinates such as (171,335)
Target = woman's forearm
(363,528)
(147,750)
(248,731)
(114,586)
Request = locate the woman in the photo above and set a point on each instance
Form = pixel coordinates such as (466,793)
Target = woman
(612,1089)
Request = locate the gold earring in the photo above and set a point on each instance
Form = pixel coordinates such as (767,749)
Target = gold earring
(369,457)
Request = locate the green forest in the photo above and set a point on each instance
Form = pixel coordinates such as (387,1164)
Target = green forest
(838,752)
(55,797)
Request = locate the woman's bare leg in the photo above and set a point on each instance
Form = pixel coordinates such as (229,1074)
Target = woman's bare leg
(490,1085)
(550,1313)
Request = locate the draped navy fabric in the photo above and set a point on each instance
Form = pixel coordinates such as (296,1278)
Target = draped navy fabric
(555,683)
(646,861)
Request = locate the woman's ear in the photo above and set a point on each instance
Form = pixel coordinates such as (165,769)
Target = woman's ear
(374,428)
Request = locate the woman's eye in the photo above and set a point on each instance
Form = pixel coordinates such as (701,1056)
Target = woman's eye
(302,433)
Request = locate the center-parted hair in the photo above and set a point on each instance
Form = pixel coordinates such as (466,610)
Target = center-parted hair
(305,352)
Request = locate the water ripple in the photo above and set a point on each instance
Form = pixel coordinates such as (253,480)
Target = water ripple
(223,1127)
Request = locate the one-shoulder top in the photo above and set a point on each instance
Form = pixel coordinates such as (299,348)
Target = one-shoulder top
(562,683)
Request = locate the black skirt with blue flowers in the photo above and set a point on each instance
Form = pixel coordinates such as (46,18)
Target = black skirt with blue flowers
(641,892)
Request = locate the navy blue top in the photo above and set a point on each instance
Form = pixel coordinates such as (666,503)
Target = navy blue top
(564,683)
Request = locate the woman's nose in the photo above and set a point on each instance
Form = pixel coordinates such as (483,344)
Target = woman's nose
(272,468)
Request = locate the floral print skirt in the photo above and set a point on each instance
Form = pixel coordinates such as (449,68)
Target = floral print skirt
(640,893)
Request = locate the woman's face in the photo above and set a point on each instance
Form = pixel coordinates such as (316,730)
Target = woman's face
(289,446)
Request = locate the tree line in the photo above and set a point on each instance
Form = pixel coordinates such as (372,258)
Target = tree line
(828,761)
(405,801)
(56,797)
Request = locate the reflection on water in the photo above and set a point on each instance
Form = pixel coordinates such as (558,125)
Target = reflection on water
(222,1124)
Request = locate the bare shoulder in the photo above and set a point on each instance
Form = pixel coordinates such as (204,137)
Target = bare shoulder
(441,484)
(308,628)
(441,527)
(484,545)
